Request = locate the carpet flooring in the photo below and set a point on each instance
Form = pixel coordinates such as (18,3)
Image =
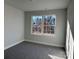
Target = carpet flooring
(27,50)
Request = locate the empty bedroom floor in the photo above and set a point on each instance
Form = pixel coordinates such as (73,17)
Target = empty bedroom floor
(27,50)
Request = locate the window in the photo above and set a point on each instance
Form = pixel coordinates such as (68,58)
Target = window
(43,25)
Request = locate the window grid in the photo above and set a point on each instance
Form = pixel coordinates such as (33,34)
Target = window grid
(50,29)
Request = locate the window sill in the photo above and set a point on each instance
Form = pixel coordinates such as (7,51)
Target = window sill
(43,34)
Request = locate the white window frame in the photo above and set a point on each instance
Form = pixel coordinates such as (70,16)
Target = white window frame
(46,34)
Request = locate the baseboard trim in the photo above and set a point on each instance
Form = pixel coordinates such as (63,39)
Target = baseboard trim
(44,43)
(33,42)
(12,45)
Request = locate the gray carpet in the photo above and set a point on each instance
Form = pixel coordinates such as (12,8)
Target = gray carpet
(27,50)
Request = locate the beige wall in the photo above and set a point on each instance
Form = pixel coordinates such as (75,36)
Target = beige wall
(58,39)
(13,26)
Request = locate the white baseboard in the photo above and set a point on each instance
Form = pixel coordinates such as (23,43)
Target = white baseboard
(13,45)
(44,43)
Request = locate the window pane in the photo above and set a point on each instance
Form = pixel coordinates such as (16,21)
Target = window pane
(49,24)
(36,23)
(52,29)
(47,29)
(49,20)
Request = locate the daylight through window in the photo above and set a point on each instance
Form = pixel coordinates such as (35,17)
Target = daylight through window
(43,24)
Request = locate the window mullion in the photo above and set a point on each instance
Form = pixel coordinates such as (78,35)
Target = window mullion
(42,24)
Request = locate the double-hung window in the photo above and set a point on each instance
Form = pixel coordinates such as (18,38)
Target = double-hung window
(43,25)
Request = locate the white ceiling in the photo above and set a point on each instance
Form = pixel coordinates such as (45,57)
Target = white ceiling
(30,5)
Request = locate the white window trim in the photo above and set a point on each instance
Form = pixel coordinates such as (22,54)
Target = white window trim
(45,34)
